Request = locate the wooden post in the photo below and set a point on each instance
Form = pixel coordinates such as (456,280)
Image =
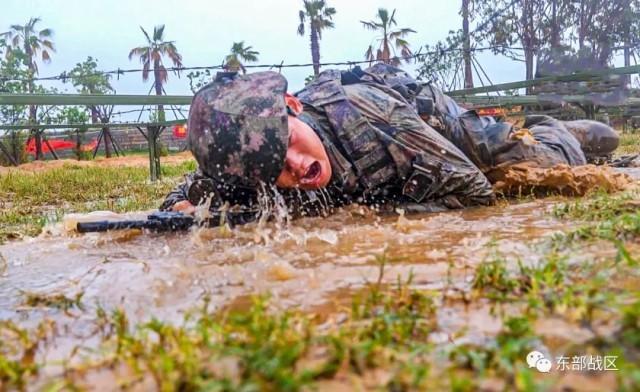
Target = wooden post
(154,154)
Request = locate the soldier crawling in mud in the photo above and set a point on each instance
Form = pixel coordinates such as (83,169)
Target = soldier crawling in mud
(351,136)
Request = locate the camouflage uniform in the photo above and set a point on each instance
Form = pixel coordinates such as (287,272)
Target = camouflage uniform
(381,152)
(493,146)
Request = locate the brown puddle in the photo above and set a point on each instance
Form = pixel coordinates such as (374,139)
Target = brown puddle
(299,266)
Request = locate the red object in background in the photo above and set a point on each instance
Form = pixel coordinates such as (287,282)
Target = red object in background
(58,145)
(55,144)
(180,131)
(491,112)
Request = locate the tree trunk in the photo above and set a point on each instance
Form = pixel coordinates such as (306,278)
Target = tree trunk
(315,50)
(627,53)
(94,114)
(16,146)
(583,29)
(33,118)
(106,135)
(529,56)
(78,145)
(158,86)
(555,40)
(37,133)
(33,109)
(466,42)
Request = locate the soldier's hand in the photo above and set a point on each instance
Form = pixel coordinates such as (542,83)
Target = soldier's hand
(185,207)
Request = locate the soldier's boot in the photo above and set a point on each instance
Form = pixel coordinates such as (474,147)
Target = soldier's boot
(597,140)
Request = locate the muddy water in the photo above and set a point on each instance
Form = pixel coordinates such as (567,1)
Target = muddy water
(307,264)
(311,264)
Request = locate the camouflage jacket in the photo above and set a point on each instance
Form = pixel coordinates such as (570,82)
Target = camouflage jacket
(381,153)
(492,146)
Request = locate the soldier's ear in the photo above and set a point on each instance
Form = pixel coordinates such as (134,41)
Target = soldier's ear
(293,103)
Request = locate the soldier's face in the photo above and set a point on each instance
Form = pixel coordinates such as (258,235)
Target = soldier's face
(306,164)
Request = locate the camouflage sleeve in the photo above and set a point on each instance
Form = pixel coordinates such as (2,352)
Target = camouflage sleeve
(436,166)
(179,193)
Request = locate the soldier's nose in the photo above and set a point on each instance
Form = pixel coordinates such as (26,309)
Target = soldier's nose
(295,164)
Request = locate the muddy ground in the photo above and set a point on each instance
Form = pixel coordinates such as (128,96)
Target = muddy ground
(527,274)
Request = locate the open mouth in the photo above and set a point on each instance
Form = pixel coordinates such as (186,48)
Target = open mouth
(313,173)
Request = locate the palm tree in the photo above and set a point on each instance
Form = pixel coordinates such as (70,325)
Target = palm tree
(319,16)
(386,52)
(233,61)
(152,54)
(33,43)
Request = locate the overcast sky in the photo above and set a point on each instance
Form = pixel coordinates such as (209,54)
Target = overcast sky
(204,31)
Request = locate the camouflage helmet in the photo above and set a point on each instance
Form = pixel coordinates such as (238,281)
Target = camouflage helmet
(238,127)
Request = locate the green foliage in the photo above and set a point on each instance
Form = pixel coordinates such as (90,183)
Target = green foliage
(152,54)
(613,218)
(18,349)
(199,79)
(35,196)
(320,18)
(56,300)
(87,79)
(439,63)
(239,54)
(390,40)
(31,42)
(12,67)
(15,141)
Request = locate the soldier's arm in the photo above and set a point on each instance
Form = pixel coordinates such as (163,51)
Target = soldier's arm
(177,198)
(446,173)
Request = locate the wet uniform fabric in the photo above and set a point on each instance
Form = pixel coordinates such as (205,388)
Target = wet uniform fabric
(381,153)
(492,146)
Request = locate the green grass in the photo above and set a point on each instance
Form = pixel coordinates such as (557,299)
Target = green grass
(629,144)
(386,328)
(29,200)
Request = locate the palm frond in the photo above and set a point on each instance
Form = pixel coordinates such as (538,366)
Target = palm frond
(156,55)
(401,43)
(45,33)
(368,55)
(163,74)
(170,49)
(146,35)
(49,45)
(139,51)
(146,67)
(383,14)
(158,32)
(371,25)
(45,56)
(33,22)
(392,19)
(329,12)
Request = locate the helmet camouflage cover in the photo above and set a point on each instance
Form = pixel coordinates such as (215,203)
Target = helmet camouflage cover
(238,128)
